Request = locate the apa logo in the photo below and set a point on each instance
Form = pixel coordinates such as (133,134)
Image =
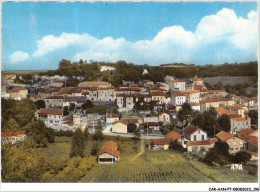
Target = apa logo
(238,167)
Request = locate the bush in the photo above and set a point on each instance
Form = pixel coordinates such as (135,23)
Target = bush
(61,133)
(219,154)
(94,150)
(131,127)
(240,157)
(174,145)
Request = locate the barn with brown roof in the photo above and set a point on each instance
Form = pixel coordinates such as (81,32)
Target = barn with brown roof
(110,153)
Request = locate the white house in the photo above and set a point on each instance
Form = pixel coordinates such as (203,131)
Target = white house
(178,98)
(164,117)
(50,116)
(195,106)
(111,118)
(194,133)
(12,137)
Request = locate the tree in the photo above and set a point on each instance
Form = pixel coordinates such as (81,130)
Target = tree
(87,104)
(224,122)
(40,104)
(86,133)
(174,145)
(137,134)
(131,127)
(253,114)
(240,157)
(72,107)
(11,125)
(165,131)
(78,144)
(185,113)
(37,134)
(98,135)
(66,111)
(219,154)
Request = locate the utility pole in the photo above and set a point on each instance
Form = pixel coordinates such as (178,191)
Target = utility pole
(93,125)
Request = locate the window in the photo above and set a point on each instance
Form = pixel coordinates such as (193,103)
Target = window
(202,137)
(194,137)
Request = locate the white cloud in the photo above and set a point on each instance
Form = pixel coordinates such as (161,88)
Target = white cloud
(18,56)
(171,44)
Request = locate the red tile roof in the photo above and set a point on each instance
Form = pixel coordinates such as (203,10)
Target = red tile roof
(95,84)
(121,121)
(111,148)
(223,111)
(194,104)
(173,136)
(12,133)
(164,141)
(209,100)
(191,129)
(15,90)
(112,115)
(50,111)
(237,107)
(178,81)
(204,142)
(224,136)
(249,136)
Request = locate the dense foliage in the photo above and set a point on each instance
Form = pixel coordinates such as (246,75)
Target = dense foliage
(78,144)
(18,112)
(124,71)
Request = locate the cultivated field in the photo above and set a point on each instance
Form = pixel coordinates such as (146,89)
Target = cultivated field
(227,80)
(135,166)
(163,166)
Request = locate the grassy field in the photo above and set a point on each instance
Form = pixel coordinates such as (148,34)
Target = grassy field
(159,166)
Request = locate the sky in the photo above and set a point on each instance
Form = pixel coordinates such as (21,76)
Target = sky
(37,35)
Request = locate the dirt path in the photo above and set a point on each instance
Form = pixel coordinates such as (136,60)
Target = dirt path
(141,152)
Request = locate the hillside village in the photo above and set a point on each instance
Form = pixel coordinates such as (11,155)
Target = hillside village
(154,110)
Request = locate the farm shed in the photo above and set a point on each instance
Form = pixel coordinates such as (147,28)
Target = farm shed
(110,153)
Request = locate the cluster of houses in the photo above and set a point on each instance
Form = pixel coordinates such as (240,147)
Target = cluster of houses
(149,105)
(196,141)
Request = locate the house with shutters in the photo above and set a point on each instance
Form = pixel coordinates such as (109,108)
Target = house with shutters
(206,103)
(237,122)
(109,153)
(12,137)
(50,116)
(54,102)
(78,101)
(193,133)
(201,147)
(174,136)
(250,136)
(177,99)
(112,118)
(164,118)
(124,102)
(234,142)
(239,109)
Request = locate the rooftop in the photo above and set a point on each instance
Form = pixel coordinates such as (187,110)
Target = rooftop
(50,112)
(204,142)
(191,129)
